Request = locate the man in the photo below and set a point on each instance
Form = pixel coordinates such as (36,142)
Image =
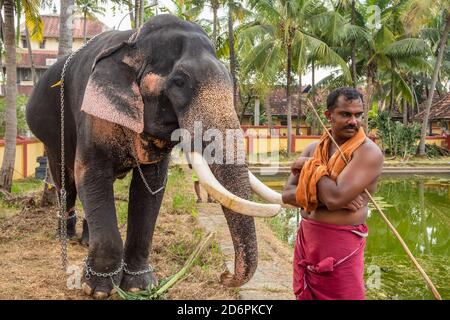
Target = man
(329,251)
(197,188)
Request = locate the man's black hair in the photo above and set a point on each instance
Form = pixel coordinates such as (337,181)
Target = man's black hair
(348,93)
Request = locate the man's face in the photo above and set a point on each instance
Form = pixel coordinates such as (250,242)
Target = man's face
(346,117)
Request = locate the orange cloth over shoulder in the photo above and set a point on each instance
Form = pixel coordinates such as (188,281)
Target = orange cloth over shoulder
(319,166)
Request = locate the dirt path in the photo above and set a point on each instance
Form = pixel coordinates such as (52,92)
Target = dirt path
(272,279)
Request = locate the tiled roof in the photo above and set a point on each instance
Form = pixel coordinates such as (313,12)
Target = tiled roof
(51,27)
(278,102)
(440,109)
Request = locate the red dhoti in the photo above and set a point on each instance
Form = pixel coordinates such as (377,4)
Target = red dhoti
(329,261)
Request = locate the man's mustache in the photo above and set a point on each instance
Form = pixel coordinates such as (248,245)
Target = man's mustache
(350,127)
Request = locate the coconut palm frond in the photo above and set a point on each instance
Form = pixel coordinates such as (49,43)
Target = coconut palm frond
(33,19)
(402,88)
(407,47)
(322,51)
(258,58)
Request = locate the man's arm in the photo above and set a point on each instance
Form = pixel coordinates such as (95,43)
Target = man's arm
(289,191)
(362,170)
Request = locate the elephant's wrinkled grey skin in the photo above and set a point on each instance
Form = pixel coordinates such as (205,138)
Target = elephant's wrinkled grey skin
(129,90)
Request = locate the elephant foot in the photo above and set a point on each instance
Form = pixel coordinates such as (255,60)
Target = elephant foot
(85,234)
(135,282)
(100,286)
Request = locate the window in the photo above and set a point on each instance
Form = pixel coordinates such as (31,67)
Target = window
(25,74)
(42,44)
(24,43)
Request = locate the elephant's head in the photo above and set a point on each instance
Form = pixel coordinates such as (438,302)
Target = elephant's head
(165,77)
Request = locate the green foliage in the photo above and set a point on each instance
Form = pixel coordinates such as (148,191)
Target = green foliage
(26,185)
(151,293)
(434,151)
(396,138)
(22,126)
(285,224)
(159,291)
(310,116)
(182,201)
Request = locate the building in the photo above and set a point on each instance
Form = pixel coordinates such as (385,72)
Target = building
(439,119)
(45,53)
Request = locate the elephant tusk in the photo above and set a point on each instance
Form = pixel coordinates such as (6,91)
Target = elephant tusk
(266,193)
(226,198)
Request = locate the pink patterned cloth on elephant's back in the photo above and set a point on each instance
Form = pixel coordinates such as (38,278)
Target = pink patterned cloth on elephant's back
(329,261)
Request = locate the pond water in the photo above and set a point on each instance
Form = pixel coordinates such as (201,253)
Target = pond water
(419,208)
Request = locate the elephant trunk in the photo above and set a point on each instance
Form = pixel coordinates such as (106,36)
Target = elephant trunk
(242,228)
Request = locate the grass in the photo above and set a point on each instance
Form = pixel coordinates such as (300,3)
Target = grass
(26,185)
(284,225)
(182,198)
(19,187)
(158,292)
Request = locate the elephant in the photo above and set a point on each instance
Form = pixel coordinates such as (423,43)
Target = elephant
(125,93)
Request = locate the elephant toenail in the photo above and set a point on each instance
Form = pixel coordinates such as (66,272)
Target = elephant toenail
(100,295)
(87,290)
(134,290)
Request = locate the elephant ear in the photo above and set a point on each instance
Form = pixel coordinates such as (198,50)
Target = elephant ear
(112,92)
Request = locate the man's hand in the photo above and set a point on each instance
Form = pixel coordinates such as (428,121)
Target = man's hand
(355,204)
(298,165)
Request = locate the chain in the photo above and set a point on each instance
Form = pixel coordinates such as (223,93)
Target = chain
(63,195)
(89,270)
(142,174)
(138,273)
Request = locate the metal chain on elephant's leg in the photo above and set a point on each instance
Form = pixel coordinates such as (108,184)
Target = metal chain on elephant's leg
(133,153)
(63,214)
(138,273)
(89,270)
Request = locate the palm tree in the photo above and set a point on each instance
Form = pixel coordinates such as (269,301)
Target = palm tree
(34,23)
(232,51)
(388,54)
(442,44)
(186,10)
(214,5)
(31,13)
(282,32)
(89,8)
(7,169)
(65,27)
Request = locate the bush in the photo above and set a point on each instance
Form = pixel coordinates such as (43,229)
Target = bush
(434,151)
(21,102)
(396,138)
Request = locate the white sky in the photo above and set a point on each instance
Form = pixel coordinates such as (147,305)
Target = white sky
(112,21)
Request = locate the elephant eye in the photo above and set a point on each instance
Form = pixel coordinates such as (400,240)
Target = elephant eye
(179,81)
